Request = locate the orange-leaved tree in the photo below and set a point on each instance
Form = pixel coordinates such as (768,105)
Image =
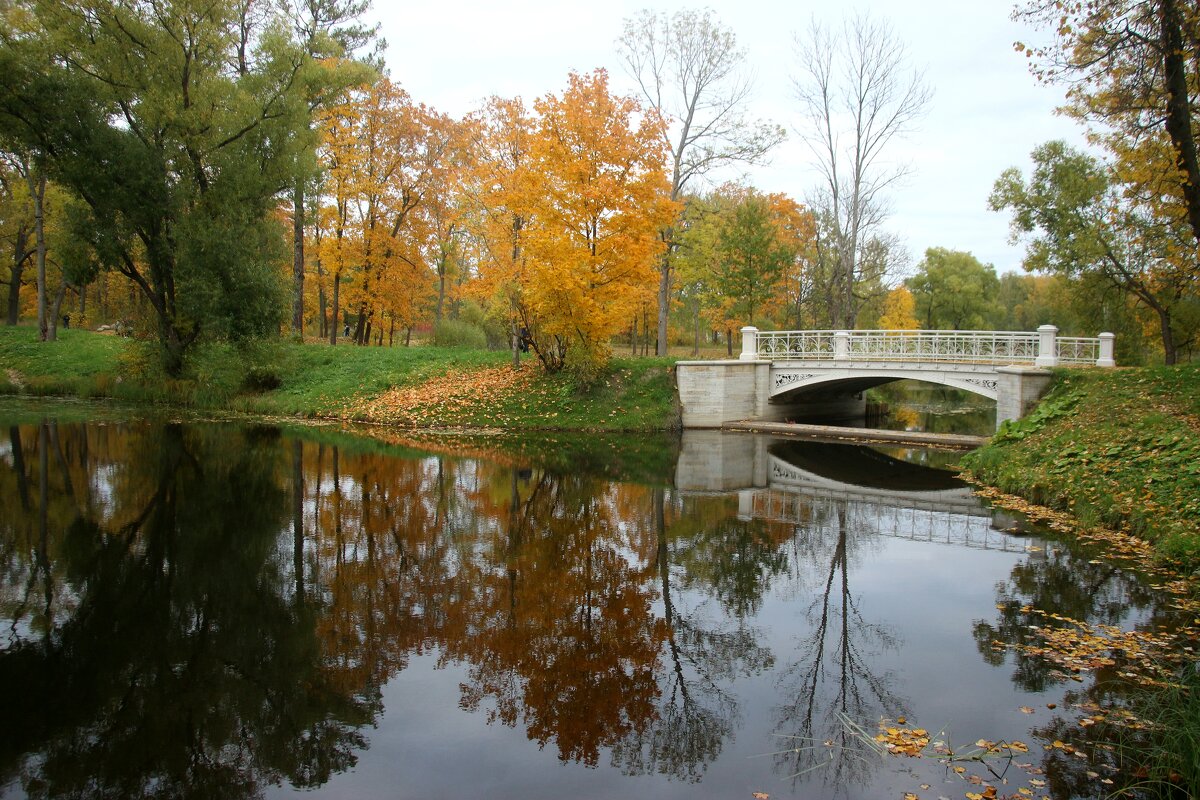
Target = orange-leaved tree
(499,190)
(602,196)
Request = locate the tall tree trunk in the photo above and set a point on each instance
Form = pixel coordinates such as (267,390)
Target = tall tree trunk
(21,253)
(298,258)
(55,310)
(333,317)
(37,190)
(1179,109)
(441,291)
(1170,352)
(664,303)
(696,333)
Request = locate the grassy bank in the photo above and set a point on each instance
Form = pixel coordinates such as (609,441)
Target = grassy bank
(1118,448)
(425,387)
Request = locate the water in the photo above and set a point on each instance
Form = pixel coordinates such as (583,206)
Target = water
(215,610)
(916,406)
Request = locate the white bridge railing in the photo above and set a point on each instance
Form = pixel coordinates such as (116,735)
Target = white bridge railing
(1041,348)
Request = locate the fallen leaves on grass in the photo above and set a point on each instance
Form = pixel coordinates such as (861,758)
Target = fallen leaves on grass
(453,398)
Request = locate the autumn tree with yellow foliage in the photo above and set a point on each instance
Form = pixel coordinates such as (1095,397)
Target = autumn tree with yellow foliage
(574,244)
(385,159)
(899,311)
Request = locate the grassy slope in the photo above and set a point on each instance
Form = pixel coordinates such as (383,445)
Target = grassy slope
(1119,448)
(359,383)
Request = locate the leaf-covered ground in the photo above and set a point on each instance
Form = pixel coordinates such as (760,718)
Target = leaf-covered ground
(634,395)
(1113,448)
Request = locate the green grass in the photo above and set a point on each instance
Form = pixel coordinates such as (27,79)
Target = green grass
(289,379)
(1119,448)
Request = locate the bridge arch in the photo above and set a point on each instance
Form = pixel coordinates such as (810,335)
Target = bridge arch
(790,383)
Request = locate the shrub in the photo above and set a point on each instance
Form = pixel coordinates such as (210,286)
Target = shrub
(459,333)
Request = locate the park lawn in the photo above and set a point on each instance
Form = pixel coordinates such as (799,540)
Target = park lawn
(411,387)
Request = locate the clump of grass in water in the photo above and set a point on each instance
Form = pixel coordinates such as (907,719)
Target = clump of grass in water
(1167,764)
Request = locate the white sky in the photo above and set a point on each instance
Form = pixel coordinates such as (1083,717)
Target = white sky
(987,111)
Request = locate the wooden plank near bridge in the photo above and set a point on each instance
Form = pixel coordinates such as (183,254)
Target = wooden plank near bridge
(956,441)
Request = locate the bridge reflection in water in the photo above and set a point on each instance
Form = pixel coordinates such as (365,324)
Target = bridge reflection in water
(818,486)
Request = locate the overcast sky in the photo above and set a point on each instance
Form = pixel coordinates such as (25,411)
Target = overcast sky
(987,111)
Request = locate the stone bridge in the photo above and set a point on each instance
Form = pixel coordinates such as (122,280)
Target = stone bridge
(807,375)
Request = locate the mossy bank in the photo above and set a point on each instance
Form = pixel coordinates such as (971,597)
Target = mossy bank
(1118,448)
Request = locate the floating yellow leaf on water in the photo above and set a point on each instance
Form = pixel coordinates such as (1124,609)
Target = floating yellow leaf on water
(1026,710)
(1018,747)
(760,796)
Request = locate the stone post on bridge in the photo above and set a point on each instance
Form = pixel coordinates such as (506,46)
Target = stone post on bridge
(1047,346)
(1106,350)
(841,345)
(749,344)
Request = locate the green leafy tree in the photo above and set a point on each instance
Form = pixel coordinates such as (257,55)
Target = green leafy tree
(177,126)
(1077,220)
(954,290)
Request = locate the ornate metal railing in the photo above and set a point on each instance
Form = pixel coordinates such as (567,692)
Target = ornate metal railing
(1043,348)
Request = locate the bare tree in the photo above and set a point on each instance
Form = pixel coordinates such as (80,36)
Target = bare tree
(856,95)
(690,70)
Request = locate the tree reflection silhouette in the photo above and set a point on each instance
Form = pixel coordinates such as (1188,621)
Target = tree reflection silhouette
(155,685)
(696,710)
(1063,582)
(560,634)
(837,675)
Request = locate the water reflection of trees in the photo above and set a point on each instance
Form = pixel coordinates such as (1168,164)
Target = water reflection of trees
(139,675)
(838,674)
(706,648)
(1047,589)
(224,608)
(1062,582)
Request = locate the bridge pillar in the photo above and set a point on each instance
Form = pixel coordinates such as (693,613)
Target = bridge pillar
(1018,389)
(712,393)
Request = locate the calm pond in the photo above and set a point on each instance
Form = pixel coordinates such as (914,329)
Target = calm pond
(221,610)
